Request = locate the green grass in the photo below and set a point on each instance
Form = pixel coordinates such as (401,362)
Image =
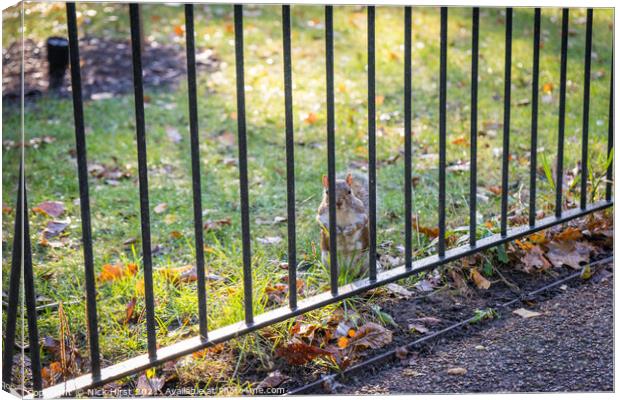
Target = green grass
(51,169)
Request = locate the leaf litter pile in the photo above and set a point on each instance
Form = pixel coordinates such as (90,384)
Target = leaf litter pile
(332,339)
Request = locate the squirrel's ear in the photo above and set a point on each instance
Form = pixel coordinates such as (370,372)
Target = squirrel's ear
(325,182)
(349,179)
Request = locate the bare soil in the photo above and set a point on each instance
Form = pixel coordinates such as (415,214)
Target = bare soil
(106,67)
(568,347)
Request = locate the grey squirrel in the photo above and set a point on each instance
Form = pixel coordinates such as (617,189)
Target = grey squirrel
(351,219)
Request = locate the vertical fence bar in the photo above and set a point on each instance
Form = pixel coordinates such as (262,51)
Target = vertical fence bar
(473,169)
(562,116)
(243,167)
(506,138)
(82,164)
(290,156)
(443,66)
(31,302)
(195,152)
(534,124)
(136,52)
(407,116)
(372,150)
(14,286)
(331,146)
(586,111)
(610,132)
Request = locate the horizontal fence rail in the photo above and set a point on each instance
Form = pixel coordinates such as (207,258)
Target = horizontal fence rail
(21,254)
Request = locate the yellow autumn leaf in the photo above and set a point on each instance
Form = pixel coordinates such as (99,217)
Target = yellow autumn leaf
(343,342)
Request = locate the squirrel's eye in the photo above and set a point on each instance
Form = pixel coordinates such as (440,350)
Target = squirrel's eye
(349,191)
(326,191)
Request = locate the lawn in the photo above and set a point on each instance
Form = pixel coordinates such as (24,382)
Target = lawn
(51,168)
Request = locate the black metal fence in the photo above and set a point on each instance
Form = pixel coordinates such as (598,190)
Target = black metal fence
(21,253)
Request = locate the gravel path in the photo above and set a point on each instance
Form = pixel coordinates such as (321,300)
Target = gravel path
(568,347)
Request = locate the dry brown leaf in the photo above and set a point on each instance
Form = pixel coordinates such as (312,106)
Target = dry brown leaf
(461,141)
(227,139)
(569,233)
(274,379)
(299,353)
(112,272)
(538,237)
(569,252)
(160,208)
(430,232)
(480,281)
(131,306)
(534,260)
(496,190)
(214,225)
(457,371)
(51,208)
(523,313)
(54,228)
(371,335)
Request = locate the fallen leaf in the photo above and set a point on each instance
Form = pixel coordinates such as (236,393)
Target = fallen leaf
(538,237)
(461,141)
(129,241)
(140,287)
(184,274)
(496,190)
(424,286)
(480,281)
(371,335)
(51,208)
(274,379)
(457,371)
(534,260)
(399,290)
(227,139)
(173,134)
(417,327)
(523,313)
(54,228)
(129,310)
(402,353)
(430,232)
(160,208)
(586,272)
(6,209)
(214,225)
(379,100)
(548,87)
(569,252)
(299,353)
(311,118)
(411,372)
(179,30)
(569,233)
(343,342)
(270,240)
(112,272)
